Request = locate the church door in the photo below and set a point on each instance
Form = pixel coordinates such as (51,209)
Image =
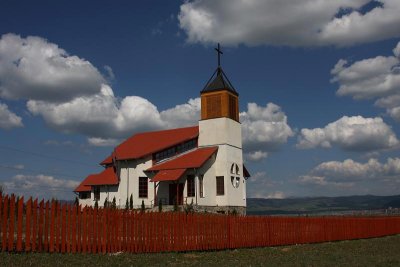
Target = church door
(173,196)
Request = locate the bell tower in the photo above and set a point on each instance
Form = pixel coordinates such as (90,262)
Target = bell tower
(220,126)
(219,99)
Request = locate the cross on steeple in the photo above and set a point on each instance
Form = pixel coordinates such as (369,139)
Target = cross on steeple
(219,53)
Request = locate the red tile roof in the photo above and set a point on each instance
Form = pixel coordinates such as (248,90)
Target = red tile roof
(107,161)
(168,175)
(106,177)
(192,159)
(143,144)
(83,187)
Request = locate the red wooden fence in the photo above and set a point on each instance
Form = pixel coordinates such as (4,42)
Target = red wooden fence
(51,227)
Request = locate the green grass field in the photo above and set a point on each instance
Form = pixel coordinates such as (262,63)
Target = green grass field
(367,252)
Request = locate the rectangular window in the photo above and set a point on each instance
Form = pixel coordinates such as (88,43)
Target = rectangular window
(143,187)
(201,185)
(96,191)
(84,195)
(190,186)
(220,186)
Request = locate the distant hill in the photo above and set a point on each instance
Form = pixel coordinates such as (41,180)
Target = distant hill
(313,205)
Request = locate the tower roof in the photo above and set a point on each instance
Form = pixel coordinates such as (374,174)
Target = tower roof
(219,81)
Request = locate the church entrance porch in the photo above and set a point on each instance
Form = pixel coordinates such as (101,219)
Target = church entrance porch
(176,194)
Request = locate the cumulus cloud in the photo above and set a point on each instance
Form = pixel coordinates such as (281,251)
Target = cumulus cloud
(262,186)
(33,68)
(72,96)
(292,23)
(350,133)
(182,115)
(349,172)
(276,195)
(256,155)
(101,115)
(264,128)
(96,141)
(41,186)
(8,119)
(373,78)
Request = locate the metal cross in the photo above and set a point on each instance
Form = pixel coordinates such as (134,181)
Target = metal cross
(219,53)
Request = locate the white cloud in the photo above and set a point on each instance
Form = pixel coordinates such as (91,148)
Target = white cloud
(182,115)
(264,128)
(350,133)
(348,169)
(349,172)
(262,186)
(41,186)
(309,179)
(276,195)
(72,97)
(293,23)
(96,141)
(8,119)
(256,155)
(367,78)
(372,78)
(33,68)
(101,115)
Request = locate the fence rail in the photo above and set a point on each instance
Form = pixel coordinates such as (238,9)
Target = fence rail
(50,227)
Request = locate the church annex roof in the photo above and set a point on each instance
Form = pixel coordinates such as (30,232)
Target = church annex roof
(106,177)
(143,144)
(192,159)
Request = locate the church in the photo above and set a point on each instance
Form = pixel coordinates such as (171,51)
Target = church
(201,166)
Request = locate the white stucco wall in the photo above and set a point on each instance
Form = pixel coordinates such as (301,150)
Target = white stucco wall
(226,134)
(220,131)
(129,173)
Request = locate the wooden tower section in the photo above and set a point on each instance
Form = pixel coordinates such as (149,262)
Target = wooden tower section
(219,99)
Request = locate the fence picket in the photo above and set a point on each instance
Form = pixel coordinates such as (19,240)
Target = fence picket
(40,225)
(4,223)
(46,226)
(19,223)
(28,225)
(11,224)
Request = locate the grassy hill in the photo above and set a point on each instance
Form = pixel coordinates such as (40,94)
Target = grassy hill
(313,205)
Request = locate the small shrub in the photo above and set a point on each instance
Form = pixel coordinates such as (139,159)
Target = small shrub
(131,202)
(160,206)
(96,204)
(142,208)
(114,203)
(189,208)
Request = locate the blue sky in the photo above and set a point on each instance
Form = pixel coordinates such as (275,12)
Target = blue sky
(319,85)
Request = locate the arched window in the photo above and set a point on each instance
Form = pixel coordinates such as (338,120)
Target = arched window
(235,175)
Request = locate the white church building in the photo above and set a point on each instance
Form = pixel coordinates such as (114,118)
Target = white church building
(201,166)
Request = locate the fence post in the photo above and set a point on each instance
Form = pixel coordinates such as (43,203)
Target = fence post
(68,229)
(19,223)
(74,233)
(46,226)
(11,226)
(52,222)
(63,227)
(41,217)
(28,225)
(4,223)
